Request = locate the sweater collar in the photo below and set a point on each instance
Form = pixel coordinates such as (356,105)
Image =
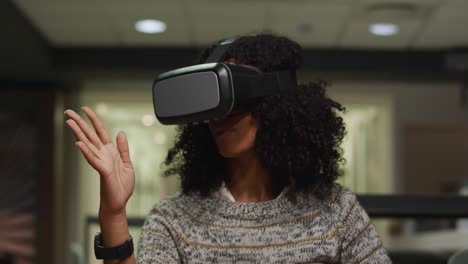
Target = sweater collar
(216,205)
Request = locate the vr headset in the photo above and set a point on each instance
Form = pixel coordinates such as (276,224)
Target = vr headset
(201,92)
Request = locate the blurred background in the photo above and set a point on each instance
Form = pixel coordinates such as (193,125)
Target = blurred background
(400,67)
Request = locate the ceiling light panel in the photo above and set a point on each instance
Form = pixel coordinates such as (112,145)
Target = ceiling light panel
(150,26)
(384,29)
(357,35)
(171,12)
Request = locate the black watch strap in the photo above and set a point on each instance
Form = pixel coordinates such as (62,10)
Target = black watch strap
(119,252)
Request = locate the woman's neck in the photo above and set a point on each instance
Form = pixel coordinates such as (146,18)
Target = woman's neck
(249,181)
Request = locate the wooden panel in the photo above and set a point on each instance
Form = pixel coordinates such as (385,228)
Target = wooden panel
(435,157)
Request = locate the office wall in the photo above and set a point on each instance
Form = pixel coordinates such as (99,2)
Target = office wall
(413,102)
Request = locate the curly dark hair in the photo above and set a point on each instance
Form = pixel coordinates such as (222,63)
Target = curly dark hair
(298,138)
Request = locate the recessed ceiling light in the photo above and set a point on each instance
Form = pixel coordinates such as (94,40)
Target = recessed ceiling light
(150,26)
(384,29)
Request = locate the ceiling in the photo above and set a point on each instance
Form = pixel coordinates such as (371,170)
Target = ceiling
(336,24)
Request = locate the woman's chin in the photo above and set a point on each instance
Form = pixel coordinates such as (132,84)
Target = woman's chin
(233,151)
(229,153)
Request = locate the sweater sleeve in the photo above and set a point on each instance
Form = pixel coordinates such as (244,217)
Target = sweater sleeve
(361,243)
(156,244)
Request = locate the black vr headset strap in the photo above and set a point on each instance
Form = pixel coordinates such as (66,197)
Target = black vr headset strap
(220,51)
(272,83)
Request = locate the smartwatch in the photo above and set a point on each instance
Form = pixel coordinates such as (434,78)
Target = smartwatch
(119,252)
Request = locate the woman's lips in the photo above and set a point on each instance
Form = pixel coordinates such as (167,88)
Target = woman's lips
(221,131)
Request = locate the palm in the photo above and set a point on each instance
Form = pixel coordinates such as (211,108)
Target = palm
(111,161)
(119,176)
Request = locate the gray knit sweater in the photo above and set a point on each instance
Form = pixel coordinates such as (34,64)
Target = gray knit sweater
(194,229)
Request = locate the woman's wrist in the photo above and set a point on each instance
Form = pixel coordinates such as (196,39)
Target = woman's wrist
(114,228)
(112,214)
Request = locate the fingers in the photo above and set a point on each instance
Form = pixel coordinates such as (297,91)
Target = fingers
(80,136)
(85,128)
(89,156)
(122,146)
(98,126)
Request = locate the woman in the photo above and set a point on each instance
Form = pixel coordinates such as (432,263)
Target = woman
(257,187)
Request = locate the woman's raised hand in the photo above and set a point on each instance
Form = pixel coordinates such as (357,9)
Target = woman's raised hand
(111,161)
